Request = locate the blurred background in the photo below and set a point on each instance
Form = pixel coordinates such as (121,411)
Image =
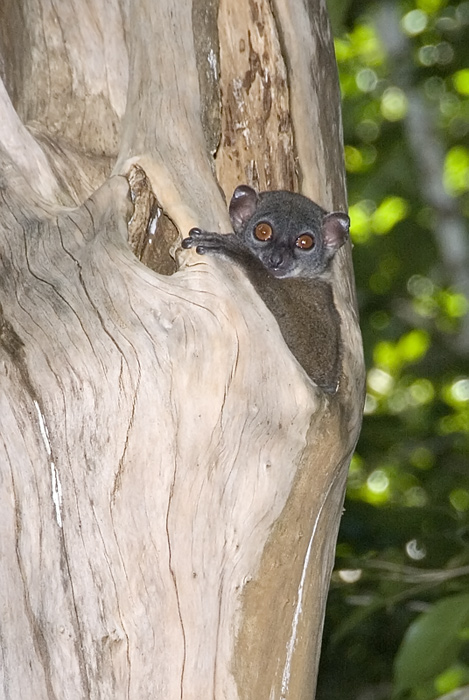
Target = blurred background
(397,623)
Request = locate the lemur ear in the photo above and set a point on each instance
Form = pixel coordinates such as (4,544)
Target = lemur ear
(335,228)
(242,206)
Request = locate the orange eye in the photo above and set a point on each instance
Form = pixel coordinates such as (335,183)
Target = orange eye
(305,242)
(263,232)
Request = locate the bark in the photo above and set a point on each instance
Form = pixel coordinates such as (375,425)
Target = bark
(171,480)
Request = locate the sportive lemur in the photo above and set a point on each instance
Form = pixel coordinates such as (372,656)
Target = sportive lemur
(285,243)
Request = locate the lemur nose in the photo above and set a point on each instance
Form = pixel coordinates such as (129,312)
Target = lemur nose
(276,258)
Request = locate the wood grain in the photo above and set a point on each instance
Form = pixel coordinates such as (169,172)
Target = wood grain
(171,480)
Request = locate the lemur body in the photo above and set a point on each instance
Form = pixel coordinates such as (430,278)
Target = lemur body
(285,243)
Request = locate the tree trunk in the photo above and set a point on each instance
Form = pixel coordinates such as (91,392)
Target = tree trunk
(171,479)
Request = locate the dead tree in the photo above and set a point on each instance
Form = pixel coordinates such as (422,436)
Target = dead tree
(171,479)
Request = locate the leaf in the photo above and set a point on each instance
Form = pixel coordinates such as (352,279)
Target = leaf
(431,643)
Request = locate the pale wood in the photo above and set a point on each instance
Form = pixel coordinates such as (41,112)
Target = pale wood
(171,480)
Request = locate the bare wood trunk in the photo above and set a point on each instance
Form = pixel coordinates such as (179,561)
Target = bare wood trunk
(171,480)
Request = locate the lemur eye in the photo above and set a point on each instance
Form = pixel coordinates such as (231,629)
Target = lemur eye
(263,231)
(305,241)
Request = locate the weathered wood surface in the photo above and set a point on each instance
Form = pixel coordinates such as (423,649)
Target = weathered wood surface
(171,482)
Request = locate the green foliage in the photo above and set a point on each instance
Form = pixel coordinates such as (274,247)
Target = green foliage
(432,643)
(398,609)
(456,174)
